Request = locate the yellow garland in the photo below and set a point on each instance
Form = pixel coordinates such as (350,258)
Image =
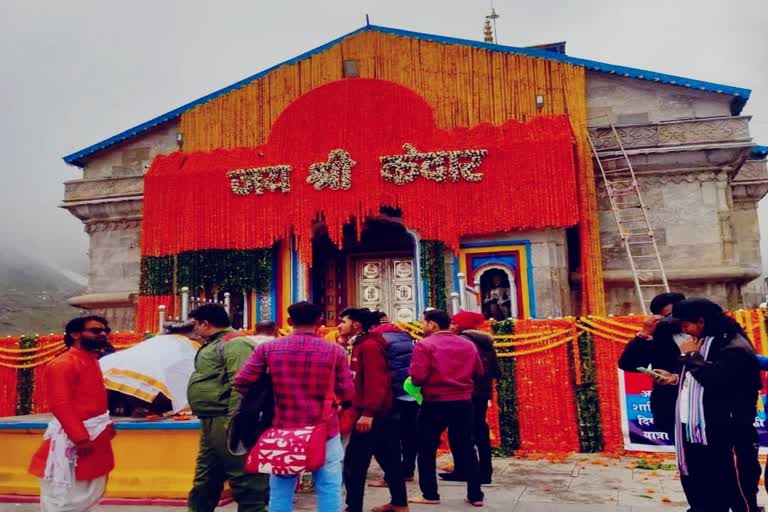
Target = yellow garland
(581,325)
(763,332)
(601,335)
(599,327)
(611,321)
(750,326)
(540,349)
(42,352)
(24,366)
(556,334)
(739,317)
(20,350)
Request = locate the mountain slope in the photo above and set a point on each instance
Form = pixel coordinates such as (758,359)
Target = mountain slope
(33,295)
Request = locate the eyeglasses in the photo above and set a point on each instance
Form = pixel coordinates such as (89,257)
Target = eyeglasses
(98,330)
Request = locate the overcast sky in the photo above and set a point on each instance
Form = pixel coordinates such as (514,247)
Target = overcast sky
(75,72)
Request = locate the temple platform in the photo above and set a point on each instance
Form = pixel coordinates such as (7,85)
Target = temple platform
(154,459)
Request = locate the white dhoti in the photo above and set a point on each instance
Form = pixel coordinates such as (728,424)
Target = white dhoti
(60,491)
(81,496)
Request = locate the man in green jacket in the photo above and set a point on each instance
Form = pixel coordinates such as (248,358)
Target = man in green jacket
(211,399)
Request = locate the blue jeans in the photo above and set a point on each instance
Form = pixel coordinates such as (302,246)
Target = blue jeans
(327,481)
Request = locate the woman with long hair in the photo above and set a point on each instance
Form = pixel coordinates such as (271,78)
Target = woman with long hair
(716,440)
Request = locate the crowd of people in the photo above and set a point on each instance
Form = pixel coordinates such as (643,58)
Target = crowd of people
(247,388)
(333,407)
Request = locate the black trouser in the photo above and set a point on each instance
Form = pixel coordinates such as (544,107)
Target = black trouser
(405,417)
(434,418)
(407,413)
(713,483)
(383,441)
(746,444)
(482,438)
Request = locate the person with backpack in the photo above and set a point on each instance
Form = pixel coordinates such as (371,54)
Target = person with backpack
(405,409)
(375,430)
(212,399)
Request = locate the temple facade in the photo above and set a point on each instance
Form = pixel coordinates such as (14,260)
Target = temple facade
(526,218)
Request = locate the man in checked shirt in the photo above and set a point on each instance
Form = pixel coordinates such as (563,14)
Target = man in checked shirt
(300,366)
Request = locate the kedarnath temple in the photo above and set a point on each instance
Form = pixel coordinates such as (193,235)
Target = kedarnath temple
(400,170)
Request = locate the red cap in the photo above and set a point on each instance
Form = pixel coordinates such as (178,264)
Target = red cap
(467,320)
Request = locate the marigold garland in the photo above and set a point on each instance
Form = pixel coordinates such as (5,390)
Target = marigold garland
(545,394)
(365,119)
(607,353)
(147,308)
(8,379)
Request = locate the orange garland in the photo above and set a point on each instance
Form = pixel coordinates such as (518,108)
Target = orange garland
(607,353)
(147,313)
(545,393)
(367,119)
(8,380)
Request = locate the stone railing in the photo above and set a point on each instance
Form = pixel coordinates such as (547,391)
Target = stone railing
(86,190)
(674,133)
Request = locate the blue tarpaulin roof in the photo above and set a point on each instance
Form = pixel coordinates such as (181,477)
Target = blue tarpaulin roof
(740,96)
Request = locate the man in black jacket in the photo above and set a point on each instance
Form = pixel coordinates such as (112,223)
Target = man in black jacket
(467,324)
(655,346)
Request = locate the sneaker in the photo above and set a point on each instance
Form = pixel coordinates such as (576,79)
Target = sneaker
(452,477)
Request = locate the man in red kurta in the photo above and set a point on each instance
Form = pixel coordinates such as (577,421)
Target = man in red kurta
(76,455)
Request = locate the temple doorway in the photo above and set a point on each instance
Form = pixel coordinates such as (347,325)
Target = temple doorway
(376,270)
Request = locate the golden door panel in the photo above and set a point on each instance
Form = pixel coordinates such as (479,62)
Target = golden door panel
(387,284)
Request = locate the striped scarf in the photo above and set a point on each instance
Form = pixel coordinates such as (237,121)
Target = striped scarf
(690,425)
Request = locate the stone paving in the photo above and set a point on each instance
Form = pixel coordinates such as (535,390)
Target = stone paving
(582,483)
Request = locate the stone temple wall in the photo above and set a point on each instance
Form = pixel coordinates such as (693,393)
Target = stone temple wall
(690,156)
(109,202)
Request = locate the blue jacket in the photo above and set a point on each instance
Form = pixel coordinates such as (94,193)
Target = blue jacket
(399,350)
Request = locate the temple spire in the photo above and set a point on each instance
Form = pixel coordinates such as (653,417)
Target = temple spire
(491,35)
(487,31)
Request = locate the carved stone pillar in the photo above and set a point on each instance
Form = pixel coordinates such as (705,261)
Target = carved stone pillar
(113,224)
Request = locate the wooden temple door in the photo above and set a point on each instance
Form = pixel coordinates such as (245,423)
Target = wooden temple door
(386,284)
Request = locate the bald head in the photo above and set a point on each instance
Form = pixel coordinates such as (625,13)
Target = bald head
(266,328)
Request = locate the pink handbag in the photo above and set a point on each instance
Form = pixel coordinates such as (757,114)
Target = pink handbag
(291,451)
